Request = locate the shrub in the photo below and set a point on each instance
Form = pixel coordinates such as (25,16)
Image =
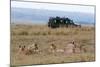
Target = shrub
(23,33)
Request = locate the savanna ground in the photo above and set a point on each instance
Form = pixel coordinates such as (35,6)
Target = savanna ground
(43,36)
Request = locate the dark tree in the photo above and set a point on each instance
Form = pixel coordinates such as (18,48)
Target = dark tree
(55,22)
(63,20)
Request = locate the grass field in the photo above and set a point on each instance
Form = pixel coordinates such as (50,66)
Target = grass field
(44,36)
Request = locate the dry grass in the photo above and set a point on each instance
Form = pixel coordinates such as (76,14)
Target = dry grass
(43,36)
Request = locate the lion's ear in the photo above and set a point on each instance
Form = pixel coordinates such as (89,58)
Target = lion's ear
(19,46)
(73,42)
(35,44)
(24,46)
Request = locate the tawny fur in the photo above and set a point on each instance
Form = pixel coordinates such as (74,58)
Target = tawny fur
(29,49)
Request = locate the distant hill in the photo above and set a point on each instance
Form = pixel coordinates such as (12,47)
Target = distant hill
(41,16)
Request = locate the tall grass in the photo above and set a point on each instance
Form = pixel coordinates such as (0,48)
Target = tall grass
(44,30)
(44,36)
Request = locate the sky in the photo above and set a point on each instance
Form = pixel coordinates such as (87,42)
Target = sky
(48,6)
